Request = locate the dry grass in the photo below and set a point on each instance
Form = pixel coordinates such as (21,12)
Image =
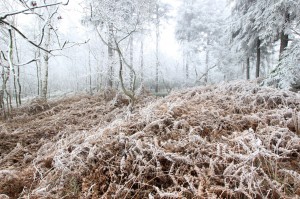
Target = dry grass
(235,140)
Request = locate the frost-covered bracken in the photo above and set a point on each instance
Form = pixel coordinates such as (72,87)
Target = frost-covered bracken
(235,140)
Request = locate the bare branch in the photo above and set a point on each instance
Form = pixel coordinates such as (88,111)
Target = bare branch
(31,8)
(296,32)
(64,46)
(2,53)
(23,64)
(102,39)
(10,50)
(204,74)
(47,23)
(129,93)
(26,38)
(128,34)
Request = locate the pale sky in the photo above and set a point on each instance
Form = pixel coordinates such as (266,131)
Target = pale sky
(168,42)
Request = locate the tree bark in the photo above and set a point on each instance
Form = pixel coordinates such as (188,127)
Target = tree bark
(142,63)
(19,88)
(258,54)
(10,60)
(207,62)
(45,69)
(38,64)
(157,40)
(39,72)
(187,66)
(110,56)
(248,68)
(129,93)
(19,84)
(187,63)
(12,68)
(284,38)
(90,73)
(131,62)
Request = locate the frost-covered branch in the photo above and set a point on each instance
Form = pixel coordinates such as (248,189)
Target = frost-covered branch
(30,9)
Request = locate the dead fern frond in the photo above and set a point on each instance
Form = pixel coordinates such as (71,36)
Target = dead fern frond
(234,140)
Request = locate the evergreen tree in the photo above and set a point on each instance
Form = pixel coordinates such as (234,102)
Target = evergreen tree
(259,24)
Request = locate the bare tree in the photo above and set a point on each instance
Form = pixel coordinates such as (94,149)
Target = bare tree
(116,47)
(120,20)
(9,65)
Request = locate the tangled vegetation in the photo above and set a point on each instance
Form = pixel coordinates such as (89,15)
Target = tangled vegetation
(235,140)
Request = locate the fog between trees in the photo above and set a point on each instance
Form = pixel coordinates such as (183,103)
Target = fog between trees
(55,47)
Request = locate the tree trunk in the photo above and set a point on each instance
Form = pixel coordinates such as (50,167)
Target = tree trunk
(100,67)
(131,62)
(19,85)
(258,58)
(4,89)
(284,38)
(19,88)
(129,93)
(10,61)
(12,68)
(45,69)
(187,57)
(110,56)
(38,63)
(248,68)
(39,72)
(142,62)
(157,40)
(187,66)
(90,73)
(6,77)
(207,63)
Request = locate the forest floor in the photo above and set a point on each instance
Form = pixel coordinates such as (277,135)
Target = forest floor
(235,140)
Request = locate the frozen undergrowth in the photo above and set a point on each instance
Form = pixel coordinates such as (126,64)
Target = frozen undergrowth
(234,140)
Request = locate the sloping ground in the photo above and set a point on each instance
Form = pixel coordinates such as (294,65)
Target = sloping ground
(39,123)
(234,140)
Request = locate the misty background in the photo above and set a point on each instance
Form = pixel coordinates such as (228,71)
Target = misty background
(175,44)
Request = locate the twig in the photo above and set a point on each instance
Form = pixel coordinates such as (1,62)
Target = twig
(29,9)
